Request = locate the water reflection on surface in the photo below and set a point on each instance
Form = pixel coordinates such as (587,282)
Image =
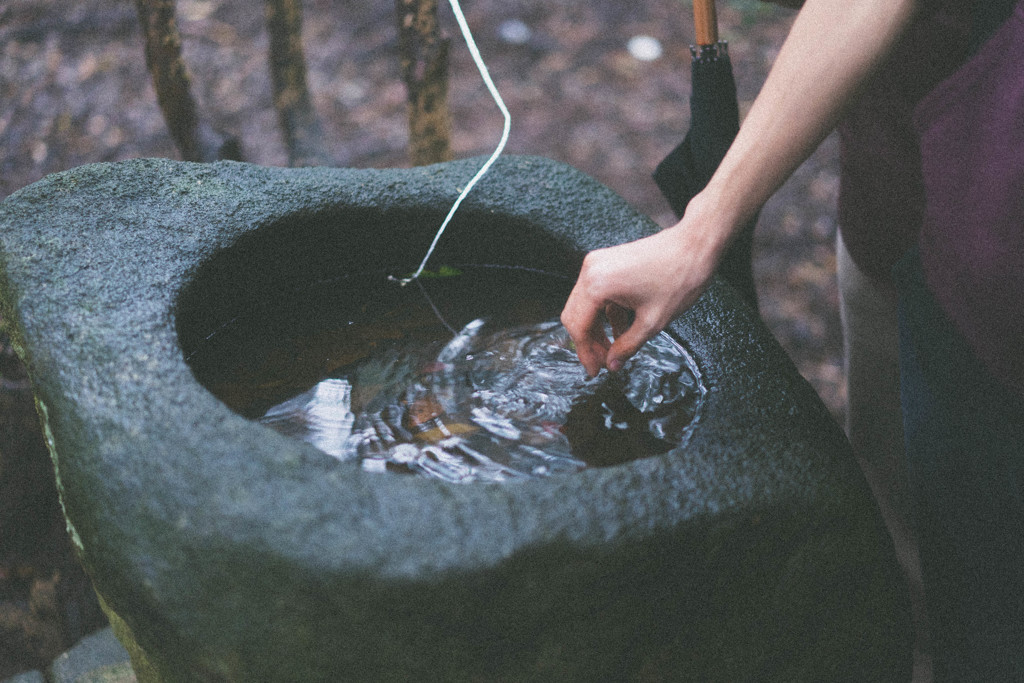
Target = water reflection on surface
(494,405)
(466,376)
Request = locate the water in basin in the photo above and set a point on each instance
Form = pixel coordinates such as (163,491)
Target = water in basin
(468,377)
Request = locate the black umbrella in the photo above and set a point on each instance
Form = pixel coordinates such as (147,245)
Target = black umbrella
(714,122)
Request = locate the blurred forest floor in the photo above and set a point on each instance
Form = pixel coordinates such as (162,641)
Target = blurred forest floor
(74,89)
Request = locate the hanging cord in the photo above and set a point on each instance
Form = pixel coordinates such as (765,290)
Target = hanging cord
(478,60)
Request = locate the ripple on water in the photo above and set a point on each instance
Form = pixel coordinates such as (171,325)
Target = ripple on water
(494,405)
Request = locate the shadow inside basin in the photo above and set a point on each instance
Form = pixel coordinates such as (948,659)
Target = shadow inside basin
(464,374)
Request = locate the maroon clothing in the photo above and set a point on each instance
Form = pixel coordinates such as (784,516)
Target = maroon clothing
(881,195)
(972,238)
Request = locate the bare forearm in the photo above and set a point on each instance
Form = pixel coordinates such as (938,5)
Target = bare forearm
(832,48)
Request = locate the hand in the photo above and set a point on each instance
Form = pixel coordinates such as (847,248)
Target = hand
(638,288)
(832,48)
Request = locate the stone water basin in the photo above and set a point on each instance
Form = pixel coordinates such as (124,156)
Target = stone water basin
(748,549)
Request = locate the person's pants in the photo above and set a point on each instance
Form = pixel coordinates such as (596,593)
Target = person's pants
(874,424)
(965,450)
(874,421)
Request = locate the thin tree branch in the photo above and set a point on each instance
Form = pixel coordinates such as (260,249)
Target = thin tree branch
(303,134)
(194,138)
(424,61)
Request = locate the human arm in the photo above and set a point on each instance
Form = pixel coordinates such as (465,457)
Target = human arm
(832,48)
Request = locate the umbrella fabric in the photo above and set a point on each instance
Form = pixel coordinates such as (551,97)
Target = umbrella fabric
(714,122)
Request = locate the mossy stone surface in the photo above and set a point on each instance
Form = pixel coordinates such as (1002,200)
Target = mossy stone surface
(752,552)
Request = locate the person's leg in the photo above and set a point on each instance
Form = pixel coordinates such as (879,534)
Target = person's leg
(965,449)
(874,424)
(874,421)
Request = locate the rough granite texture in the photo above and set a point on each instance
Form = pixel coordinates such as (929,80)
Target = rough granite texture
(230,552)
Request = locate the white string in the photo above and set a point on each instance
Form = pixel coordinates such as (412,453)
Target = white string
(478,60)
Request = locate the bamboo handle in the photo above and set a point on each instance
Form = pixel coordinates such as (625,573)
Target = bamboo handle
(706,22)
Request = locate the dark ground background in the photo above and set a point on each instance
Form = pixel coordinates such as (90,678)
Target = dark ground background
(74,90)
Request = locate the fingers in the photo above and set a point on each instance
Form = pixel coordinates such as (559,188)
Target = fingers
(581,317)
(619,317)
(628,343)
(638,286)
(629,337)
(589,305)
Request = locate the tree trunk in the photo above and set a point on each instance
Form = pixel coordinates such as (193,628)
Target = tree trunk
(424,60)
(303,134)
(195,140)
